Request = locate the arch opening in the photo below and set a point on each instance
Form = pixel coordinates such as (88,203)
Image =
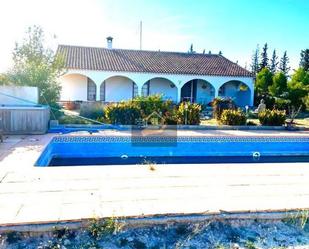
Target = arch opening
(198,91)
(237,90)
(77,87)
(159,85)
(118,88)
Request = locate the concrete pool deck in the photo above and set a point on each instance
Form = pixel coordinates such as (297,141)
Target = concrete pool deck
(31,194)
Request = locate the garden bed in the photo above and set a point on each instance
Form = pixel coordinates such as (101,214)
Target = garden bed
(250,231)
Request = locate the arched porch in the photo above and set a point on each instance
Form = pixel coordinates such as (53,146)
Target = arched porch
(238,91)
(198,91)
(77,87)
(117,88)
(162,86)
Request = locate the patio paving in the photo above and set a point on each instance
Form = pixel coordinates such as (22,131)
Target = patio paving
(31,194)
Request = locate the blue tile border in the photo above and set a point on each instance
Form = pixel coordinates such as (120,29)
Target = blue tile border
(167,139)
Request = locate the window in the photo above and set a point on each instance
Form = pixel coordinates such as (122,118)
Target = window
(145,89)
(91,90)
(135,90)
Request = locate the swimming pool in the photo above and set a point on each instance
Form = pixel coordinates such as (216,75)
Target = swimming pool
(66,150)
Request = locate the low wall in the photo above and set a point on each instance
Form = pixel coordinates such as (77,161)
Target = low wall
(24,119)
(18,95)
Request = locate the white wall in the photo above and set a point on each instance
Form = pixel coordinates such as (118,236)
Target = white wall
(118,88)
(163,86)
(178,79)
(74,87)
(204,96)
(24,95)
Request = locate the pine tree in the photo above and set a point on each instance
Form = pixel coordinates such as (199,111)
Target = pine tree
(255,61)
(304,59)
(191,50)
(284,64)
(279,85)
(264,57)
(274,62)
(264,79)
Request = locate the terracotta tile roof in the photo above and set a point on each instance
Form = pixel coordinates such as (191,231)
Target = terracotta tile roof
(91,58)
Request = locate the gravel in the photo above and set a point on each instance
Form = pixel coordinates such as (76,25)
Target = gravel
(234,234)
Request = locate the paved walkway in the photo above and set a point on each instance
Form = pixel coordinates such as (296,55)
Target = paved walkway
(33,194)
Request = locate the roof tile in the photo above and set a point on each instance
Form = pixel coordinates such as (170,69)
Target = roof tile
(91,58)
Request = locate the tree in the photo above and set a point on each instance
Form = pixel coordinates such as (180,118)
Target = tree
(264,57)
(279,85)
(255,61)
(191,50)
(35,65)
(300,75)
(298,88)
(304,59)
(263,81)
(220,52)
(284,64)
(274,62)
(4,79)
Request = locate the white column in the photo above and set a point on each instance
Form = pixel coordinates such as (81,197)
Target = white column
(216,92)
(98,91)
(178,94)
(252,96)
(139,87)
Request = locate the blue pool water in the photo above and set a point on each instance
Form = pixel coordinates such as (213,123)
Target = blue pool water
(69,150)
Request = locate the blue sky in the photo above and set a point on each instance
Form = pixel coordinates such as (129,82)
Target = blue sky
(232,26)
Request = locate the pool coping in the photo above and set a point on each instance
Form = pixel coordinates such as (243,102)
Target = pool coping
(77,127)
(152,220)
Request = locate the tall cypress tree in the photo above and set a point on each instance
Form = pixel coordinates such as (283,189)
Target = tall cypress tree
(304,59)
(264,57)
(191,50)
(255,61)
(284,64)
(274,62)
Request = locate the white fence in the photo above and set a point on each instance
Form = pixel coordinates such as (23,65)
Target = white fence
(19,95)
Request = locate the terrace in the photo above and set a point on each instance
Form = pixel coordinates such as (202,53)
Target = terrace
(37,195)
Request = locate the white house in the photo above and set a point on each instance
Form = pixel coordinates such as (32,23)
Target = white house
(112,75)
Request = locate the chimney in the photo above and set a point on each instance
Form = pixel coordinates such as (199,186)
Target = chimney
(109,42)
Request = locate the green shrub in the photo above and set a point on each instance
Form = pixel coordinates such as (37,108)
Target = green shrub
(125,113)
(233,117)
(220,104)
(149,104)
(92,110)
(72,120)
(189,113)
(99,228)
(141,108)
(171,117)
(55,111)
(272,117)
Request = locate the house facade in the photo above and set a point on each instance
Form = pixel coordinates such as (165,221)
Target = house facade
(113,75)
